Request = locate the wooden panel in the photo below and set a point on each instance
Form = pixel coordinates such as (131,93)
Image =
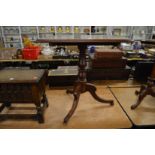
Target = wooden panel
(108,63)
(115,54)
(108,73)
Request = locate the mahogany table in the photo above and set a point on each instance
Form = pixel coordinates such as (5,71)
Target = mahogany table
(81,85)
(23,86)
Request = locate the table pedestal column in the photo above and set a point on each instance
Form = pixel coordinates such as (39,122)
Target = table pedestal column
(81,85)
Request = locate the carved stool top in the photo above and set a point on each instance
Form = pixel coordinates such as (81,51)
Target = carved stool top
(20,75)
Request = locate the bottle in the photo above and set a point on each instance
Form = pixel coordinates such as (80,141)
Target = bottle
(52,28)
(76,29)
(93,30)
(60,30)
(67,29)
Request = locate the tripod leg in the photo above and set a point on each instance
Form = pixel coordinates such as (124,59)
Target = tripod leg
(141,89)
(8,104)
(68,91)
(74,106)
(140,98)
(92,89)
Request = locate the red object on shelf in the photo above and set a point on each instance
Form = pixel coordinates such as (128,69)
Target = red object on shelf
(31,52)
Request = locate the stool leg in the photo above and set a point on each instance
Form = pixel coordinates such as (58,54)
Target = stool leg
(40,116)
(45,100)
(7,104)
(2,107)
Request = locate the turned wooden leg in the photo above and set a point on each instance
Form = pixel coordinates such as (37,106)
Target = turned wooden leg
(68,91)
(7,104)
(40,116)
(92,89)
(144,90)
(153,93)
(2,107)
(74,106)
(140,98)
(45,100)
(141,89)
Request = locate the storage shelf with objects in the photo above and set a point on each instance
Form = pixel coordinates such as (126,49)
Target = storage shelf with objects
(121,31)
(100,30)
(46,32)
(142,32)
(64,32)
(30,31)
(11,36)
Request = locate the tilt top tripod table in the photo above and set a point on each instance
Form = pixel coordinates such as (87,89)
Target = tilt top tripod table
(81,85)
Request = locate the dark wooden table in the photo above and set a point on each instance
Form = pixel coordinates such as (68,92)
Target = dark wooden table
(81,85)
(23,86)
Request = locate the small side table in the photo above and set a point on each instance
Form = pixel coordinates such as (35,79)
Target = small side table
(24,86)
(81,85)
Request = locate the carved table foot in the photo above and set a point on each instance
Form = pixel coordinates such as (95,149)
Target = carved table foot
(2,107)
(68,91)
(74,106)
(79,88)
(144,91)
(92,89)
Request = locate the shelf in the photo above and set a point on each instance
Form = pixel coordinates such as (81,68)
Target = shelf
(11,34)
(99,34)
(40,59)
(46,32)
(29,33)
(11,41)
(63,33)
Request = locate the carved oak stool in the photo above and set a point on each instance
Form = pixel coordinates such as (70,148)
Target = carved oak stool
(23,86)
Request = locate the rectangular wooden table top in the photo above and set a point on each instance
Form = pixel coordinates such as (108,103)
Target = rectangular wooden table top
(21,76)
(83,41)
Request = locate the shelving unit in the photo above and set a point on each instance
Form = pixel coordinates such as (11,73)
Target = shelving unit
(1,39)
(12,35)
(30,31)
(99,30)
(64,31)
(142,32)
(46,32)
(121,31)
(0,34)
(153,33)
